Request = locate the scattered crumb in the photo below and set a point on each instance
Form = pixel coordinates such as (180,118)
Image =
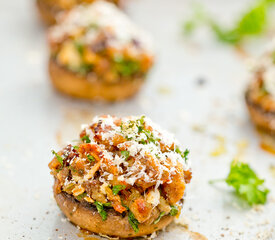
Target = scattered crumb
(198,128)
(164,90)
(220,149)
(272,170)
(241,147)
(201,81)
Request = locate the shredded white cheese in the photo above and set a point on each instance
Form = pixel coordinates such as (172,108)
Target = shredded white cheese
(99,16)
(142,144)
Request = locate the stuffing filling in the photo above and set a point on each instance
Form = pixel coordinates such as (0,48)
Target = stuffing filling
(68,4)
(127,164)
(99,41)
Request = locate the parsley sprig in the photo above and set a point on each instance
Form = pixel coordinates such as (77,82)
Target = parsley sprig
(246,183)
(253,22)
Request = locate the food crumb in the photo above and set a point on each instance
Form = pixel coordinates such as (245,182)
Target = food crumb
(201,81)
(164,90)
(220,149)
(272,170)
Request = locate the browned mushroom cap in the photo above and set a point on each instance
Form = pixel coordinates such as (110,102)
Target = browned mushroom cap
(87,217)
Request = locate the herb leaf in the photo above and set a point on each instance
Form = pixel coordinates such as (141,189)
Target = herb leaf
(101,211)
(107,204)
(86,139)
(174,210)
(246,183)
(117,188)
(184,154)
(159,217)
(133,221)
(59,158)
(252,22)
(76,147)
(126,154)
(79,47)
(126,67)
(81,196)
(90,158)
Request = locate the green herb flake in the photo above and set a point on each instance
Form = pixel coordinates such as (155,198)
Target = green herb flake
(125,154)
(184,154)
(90,158)
(246,183)
(81,196)
(100,209)
(59,158)
(76,147)
(86,139)
(93,26)
(84,68)
(133,221)
(174,211)
(117,188)
(79,47)
(107,204)
(159,217)
(126,67)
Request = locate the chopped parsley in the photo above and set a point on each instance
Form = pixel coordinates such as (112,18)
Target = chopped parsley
(86,139)
(184,154)
(126,67)
(125,154)
(253,22)
(100,209)
(174,211)
(133,221)
(117,188)
(59,158)
(84,68)
(81,196)
(246,183)
(79,47)
(159,217)
(140,124)
(76,147)
(93,26)
(107,204)
(90,158)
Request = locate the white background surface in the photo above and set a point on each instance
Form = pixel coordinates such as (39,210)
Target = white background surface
(34,119)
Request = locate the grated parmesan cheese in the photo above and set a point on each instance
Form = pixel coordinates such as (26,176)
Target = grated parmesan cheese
(103,16)
(141,145)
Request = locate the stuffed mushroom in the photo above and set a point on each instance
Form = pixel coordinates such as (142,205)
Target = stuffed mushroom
(98,53)
(260,95)
(49,10)
(125,177)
